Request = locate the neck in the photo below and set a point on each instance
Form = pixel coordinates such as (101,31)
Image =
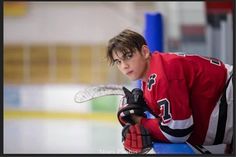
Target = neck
(145,77)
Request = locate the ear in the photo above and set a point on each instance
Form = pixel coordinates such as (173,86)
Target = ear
(145,51)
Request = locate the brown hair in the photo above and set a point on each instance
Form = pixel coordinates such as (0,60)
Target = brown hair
(127,41)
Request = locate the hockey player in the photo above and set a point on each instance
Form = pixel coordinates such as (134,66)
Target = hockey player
(190,96)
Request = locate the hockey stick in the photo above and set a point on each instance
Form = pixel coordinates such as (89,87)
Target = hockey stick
(200,148)
(97,91)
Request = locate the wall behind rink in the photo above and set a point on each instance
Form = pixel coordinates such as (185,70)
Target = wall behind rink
(73,22)
(54,98)
(94,22)
(43,98)
(54,47)
(59,63)
(65,42)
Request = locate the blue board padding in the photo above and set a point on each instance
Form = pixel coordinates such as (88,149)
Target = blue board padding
(149,115)
(154,31)
(172,148)
(11,96)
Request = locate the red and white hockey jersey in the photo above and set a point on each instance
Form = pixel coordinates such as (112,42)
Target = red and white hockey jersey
(183,91)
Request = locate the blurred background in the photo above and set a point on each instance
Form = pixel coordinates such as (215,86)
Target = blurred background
(54,49)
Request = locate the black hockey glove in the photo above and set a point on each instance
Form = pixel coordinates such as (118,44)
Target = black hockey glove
(132,103)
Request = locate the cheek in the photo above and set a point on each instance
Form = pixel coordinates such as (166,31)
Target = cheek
(120,69)
(140,66)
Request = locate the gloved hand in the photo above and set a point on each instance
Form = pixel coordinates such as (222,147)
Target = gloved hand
(132,103)
(136,139)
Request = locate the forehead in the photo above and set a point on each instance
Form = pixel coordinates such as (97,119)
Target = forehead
(117,54)
(121,53)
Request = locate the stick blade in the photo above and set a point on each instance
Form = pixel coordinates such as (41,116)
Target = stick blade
(97,91)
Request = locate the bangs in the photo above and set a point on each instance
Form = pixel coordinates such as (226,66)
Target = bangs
(123,51)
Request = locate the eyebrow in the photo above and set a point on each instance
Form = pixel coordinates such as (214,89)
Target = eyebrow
(118,57)
(115,60)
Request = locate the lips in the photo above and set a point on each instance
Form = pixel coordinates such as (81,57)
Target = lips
(129,72)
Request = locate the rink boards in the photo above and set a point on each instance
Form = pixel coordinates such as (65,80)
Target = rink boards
(173,148)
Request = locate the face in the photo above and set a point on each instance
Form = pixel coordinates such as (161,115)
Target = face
(133,65)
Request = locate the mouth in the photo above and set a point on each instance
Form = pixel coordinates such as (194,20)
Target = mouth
(129,72)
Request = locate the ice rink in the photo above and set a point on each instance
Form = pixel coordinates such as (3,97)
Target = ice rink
(43,136)
(44,119)
(63,136)
(60,126)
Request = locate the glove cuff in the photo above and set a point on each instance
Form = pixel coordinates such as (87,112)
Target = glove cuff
(124,114)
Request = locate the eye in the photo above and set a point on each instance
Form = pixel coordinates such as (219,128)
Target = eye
(117,62)
(128,56)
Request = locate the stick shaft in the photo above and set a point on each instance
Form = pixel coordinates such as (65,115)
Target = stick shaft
(200,148)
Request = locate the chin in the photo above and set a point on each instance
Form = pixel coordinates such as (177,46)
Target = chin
(133,78)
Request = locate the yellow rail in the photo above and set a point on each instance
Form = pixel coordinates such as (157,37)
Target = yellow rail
(98,116)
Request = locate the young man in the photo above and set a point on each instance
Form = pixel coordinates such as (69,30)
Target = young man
(190,96)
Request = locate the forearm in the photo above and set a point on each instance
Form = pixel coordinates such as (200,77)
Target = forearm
(152,125)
